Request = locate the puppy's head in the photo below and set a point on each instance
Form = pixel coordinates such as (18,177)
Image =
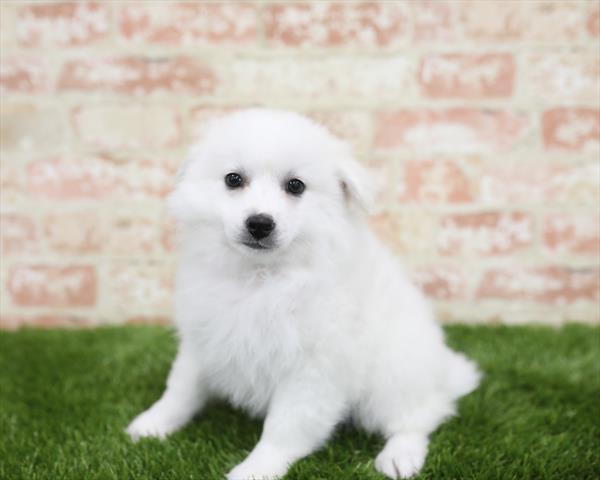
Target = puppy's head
(268,181)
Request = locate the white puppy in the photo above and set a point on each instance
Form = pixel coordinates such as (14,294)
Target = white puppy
(289,307)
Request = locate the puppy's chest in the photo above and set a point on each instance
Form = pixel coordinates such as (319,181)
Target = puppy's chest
(251,339)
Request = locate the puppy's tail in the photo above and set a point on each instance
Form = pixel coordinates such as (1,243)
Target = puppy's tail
(463,376)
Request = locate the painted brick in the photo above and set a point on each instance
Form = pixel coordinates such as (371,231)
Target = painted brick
(488,233)
(59,178)
(572,129)
(80,232)
(101,176)
(322,24)
(169,233)
(113,127)
(52,286)
(138,76)
(572,76)
(593,19)
(188,24)
(16,321)
(405,232)
(11,182)
(89,232)
(572,233)
(488,75)
(373,79)
(544,21)
(556,285)
(385,174)
(30,128)
(18,234)
(23,75)
(434,20)
(133,235)
(455,130)
(351,126)
(541,184)
(141,286)
(436,181)
(63,24)
(441,282)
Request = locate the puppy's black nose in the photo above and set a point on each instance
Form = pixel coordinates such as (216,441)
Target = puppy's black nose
(260,225)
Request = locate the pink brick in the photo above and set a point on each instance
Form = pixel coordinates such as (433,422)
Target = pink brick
(573,76)
(572,129)
(14,321)
(441,282)
(454,130)
(63,24)
(489,75)
(92,177)
(101,176)
(18,234)
(11,181)
(139,76)
(572,233)
(52,286)
(489,233)
(186,24)
(135,126)
(350,126)
(31,127)
(555,285)
(134,235)
(541,184)
(89,232)
(79,232)
(593,19)
(169,234)
(405,232)
(544,21)
(141,286)
(23,75)
(434,20)
(435,181)
(336,24)
(374,79)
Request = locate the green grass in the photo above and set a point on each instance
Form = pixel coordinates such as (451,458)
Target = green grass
(65,397)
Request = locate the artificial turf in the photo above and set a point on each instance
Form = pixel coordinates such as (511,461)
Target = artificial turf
(66,396)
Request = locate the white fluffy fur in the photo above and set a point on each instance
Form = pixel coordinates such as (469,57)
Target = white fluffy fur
(324,327)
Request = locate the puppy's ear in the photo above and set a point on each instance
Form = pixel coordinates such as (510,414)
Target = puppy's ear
(357,184)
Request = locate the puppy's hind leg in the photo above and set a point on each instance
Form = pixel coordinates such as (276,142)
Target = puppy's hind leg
(184,397)
(403,455)
(407,427)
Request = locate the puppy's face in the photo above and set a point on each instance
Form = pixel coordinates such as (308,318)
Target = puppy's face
(267,181)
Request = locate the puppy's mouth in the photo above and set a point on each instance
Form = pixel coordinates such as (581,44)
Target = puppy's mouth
(258,245)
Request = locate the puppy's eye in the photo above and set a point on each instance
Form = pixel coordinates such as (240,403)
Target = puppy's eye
(295,186)
(234,180)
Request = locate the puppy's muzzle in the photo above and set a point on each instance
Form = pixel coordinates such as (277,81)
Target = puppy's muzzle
(260,226)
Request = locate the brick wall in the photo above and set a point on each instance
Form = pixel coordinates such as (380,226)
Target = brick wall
(483,117)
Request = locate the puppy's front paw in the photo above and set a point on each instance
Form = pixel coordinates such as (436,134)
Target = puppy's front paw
(242,473)
(402,457)
(151,423)
(261,464)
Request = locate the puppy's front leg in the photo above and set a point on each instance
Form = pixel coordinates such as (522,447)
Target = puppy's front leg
(301,416)
(185,395)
